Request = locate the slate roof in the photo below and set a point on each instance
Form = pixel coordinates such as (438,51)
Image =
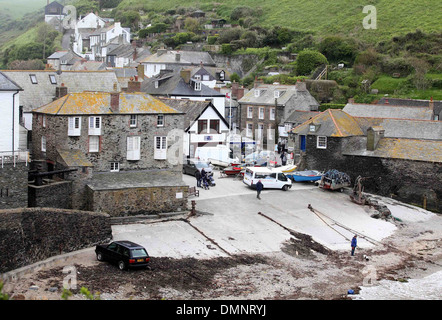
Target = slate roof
(191,108)
(173,84)
(74,158)
(87,103)
(332,123)
(135,179)
(398,148)
(413,103)
(42,93)
(388,111)
(400,128)
(299,116)
(186,58)
(7,84)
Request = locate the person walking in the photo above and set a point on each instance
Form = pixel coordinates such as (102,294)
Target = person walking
(353,245)
(198,178)
(259,187)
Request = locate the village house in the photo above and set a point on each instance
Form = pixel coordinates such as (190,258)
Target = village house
(436,105)
(63,60)
(54,14)
(263,110)
(396,157)
(119,148)
(13,152)
(174,60)
(40,87)
(181,85)
(204,126)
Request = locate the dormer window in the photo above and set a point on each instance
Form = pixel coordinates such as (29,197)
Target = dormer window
(276,94)
(197,86)
(256,93)
(156,84)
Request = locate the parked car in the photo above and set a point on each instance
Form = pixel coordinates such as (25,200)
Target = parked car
(125,254)
(191,166)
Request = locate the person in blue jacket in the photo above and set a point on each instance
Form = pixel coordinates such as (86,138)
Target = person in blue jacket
(259,187)
(353,245)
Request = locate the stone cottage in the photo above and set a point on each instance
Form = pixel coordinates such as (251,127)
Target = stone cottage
(401,158)
(123,149)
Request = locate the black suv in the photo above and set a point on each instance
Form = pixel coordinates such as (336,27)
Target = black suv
(125,254)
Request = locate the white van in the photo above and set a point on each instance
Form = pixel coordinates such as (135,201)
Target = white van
(219,155)
(269,178)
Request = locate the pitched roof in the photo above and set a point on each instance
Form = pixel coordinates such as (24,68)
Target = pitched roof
(186,58)
(88,103)
(331,123)
(388,111)
(173,84)
(403,128)
(42,93)
(407,149)
(7,84)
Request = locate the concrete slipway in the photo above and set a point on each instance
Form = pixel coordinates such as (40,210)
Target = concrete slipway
(228,221)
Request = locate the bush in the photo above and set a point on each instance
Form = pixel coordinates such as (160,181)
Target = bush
(226,49)
(308,60)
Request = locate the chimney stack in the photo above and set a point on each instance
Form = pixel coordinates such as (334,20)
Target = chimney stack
(177,57)
(140,71)
(374,134)
(431,105)
(258,82)
(60,91)
(134,85)
(185,74)
(115,102)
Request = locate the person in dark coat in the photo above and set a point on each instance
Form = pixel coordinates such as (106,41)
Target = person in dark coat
(259,187)
(353,245)
(283,158)
(198,178)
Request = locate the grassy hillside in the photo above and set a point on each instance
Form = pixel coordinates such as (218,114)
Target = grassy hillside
(324,17)
(18,8)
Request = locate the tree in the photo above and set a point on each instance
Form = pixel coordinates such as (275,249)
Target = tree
(308,60)
(338,49)
(191,25)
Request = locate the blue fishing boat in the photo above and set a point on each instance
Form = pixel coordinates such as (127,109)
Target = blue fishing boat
(307,175)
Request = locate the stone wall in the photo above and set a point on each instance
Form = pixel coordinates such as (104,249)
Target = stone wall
(14,185)
(239,64)
(404,180)
(138,201)
(30,235)
(53,195)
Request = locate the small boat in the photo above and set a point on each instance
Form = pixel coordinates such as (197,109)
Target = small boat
(307,175)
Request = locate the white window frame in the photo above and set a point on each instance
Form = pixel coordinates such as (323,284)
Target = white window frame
(43,143)
(249,131)
(276,94)
(52,79)
(250,112)
(160,120)
(94,126)
(74,126)
(270,132)
(160,145)
(43,121)
(197,86)
(133,148)
(133,121)
(261,113)
(272,114)
(260,131)
(114,167)
(94,144)
(256,93)
(321,142)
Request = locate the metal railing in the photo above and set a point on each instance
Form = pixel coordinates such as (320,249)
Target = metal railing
(14,157)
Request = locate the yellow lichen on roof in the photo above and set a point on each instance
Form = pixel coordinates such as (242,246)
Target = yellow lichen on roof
(100,103)
(411,149)
(345,124)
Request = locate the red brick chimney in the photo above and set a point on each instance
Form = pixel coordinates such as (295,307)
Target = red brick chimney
(133,85)
(115,102)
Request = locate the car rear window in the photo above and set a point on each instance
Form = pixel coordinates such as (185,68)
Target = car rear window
(138,253)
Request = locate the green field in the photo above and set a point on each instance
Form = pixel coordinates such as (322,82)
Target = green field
(18,8)
(324,17)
